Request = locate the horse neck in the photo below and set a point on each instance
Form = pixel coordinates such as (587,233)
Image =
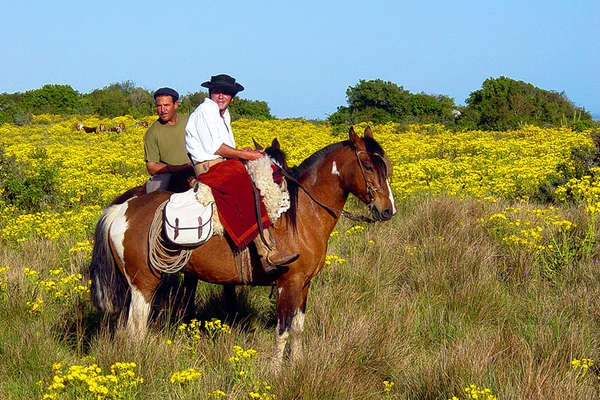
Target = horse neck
(323,181)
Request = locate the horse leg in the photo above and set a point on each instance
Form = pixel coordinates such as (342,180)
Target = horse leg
(139,312)
(140,304)
(297,327)
(230,300)
(174,297)
(186,303)
(290,311)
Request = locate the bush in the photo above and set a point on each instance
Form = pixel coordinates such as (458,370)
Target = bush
(108,102)
(504,103)
(51,99)
(255,109)
(239,108)
(381,102)
(27,191)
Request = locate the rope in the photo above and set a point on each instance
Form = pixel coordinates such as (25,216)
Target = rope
(161,257)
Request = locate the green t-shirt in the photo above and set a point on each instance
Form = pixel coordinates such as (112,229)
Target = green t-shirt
(166,143)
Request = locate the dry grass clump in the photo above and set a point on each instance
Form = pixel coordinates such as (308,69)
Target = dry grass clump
(433,301)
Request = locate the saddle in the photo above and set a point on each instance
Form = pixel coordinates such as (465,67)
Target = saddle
(190,218)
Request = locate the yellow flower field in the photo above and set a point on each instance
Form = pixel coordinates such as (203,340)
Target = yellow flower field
(93,168)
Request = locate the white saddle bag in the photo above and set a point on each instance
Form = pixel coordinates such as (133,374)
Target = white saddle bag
(186,221)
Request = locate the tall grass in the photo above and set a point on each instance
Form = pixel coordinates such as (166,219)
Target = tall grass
(430,300)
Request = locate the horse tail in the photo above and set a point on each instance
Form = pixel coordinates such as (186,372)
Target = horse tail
(109,288)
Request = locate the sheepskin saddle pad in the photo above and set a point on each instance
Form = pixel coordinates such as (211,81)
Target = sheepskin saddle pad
(190,218)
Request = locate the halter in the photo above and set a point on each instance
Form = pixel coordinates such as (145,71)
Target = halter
(370,186)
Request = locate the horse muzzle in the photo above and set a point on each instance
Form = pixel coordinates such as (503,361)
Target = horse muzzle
(381,215)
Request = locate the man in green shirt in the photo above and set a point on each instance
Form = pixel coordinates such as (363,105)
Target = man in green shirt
(164,141)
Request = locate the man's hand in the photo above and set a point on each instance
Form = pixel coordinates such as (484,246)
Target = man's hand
(240,154)
(252,154)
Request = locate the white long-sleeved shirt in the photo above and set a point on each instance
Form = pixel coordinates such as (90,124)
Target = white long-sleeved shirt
(206,131)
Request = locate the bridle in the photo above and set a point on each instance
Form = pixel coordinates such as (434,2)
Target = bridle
(370,186)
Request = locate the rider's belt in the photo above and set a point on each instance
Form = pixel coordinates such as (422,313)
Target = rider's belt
(203,167)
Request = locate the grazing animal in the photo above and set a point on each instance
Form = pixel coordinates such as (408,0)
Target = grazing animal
(141,123)
(88,129)
(118,129)
(122,279)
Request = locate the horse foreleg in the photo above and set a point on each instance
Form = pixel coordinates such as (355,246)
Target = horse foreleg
(187,301)
(139,312)
(291,303)
(297,327)
(230,300)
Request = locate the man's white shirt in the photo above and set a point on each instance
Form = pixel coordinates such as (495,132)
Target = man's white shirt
(207,130)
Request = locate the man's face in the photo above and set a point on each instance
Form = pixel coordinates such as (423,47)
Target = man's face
(166,109)
(222,99)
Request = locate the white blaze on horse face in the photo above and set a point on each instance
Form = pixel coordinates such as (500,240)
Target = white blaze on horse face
(334,169)
(391,197)
(117,231)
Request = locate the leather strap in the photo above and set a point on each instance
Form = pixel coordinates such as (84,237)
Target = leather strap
(203,167)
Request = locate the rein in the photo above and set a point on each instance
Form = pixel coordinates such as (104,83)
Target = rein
(347,214)
(370,189)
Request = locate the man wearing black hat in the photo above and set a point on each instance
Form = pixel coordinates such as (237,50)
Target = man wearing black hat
(164,141)
(217,163)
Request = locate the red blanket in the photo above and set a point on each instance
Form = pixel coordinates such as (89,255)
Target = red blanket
(232,190)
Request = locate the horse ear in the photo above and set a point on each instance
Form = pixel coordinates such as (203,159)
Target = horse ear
(275,144)
(354,139)
(368,132)
(256,145)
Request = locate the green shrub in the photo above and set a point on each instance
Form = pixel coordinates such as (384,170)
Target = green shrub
(381,102)
(503,103)
(29,191)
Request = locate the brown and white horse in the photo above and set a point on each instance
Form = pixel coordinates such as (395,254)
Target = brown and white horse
(121,276)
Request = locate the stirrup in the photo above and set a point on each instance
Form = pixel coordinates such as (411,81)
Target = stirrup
(285,259)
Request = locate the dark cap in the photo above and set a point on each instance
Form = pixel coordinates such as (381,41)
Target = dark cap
(225,83)
(165,91)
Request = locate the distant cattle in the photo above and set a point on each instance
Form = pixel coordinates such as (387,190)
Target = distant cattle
(100,128)
(141,123)
(118,129)
(88,129)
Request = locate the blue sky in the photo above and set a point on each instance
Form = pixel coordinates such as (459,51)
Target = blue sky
(301,56)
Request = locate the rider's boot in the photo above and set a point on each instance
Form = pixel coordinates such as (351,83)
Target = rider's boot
(271,255)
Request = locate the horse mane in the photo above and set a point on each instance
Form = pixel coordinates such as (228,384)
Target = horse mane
(298,171)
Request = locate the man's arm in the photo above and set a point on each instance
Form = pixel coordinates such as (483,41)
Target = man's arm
(231,152)
(155,168)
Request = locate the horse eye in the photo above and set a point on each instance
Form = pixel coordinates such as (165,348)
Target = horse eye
(368,168)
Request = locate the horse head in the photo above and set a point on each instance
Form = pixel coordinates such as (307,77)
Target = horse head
(368,179)
(274,152)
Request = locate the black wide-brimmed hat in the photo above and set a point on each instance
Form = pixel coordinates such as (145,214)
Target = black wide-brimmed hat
(225,83)
(165,91)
